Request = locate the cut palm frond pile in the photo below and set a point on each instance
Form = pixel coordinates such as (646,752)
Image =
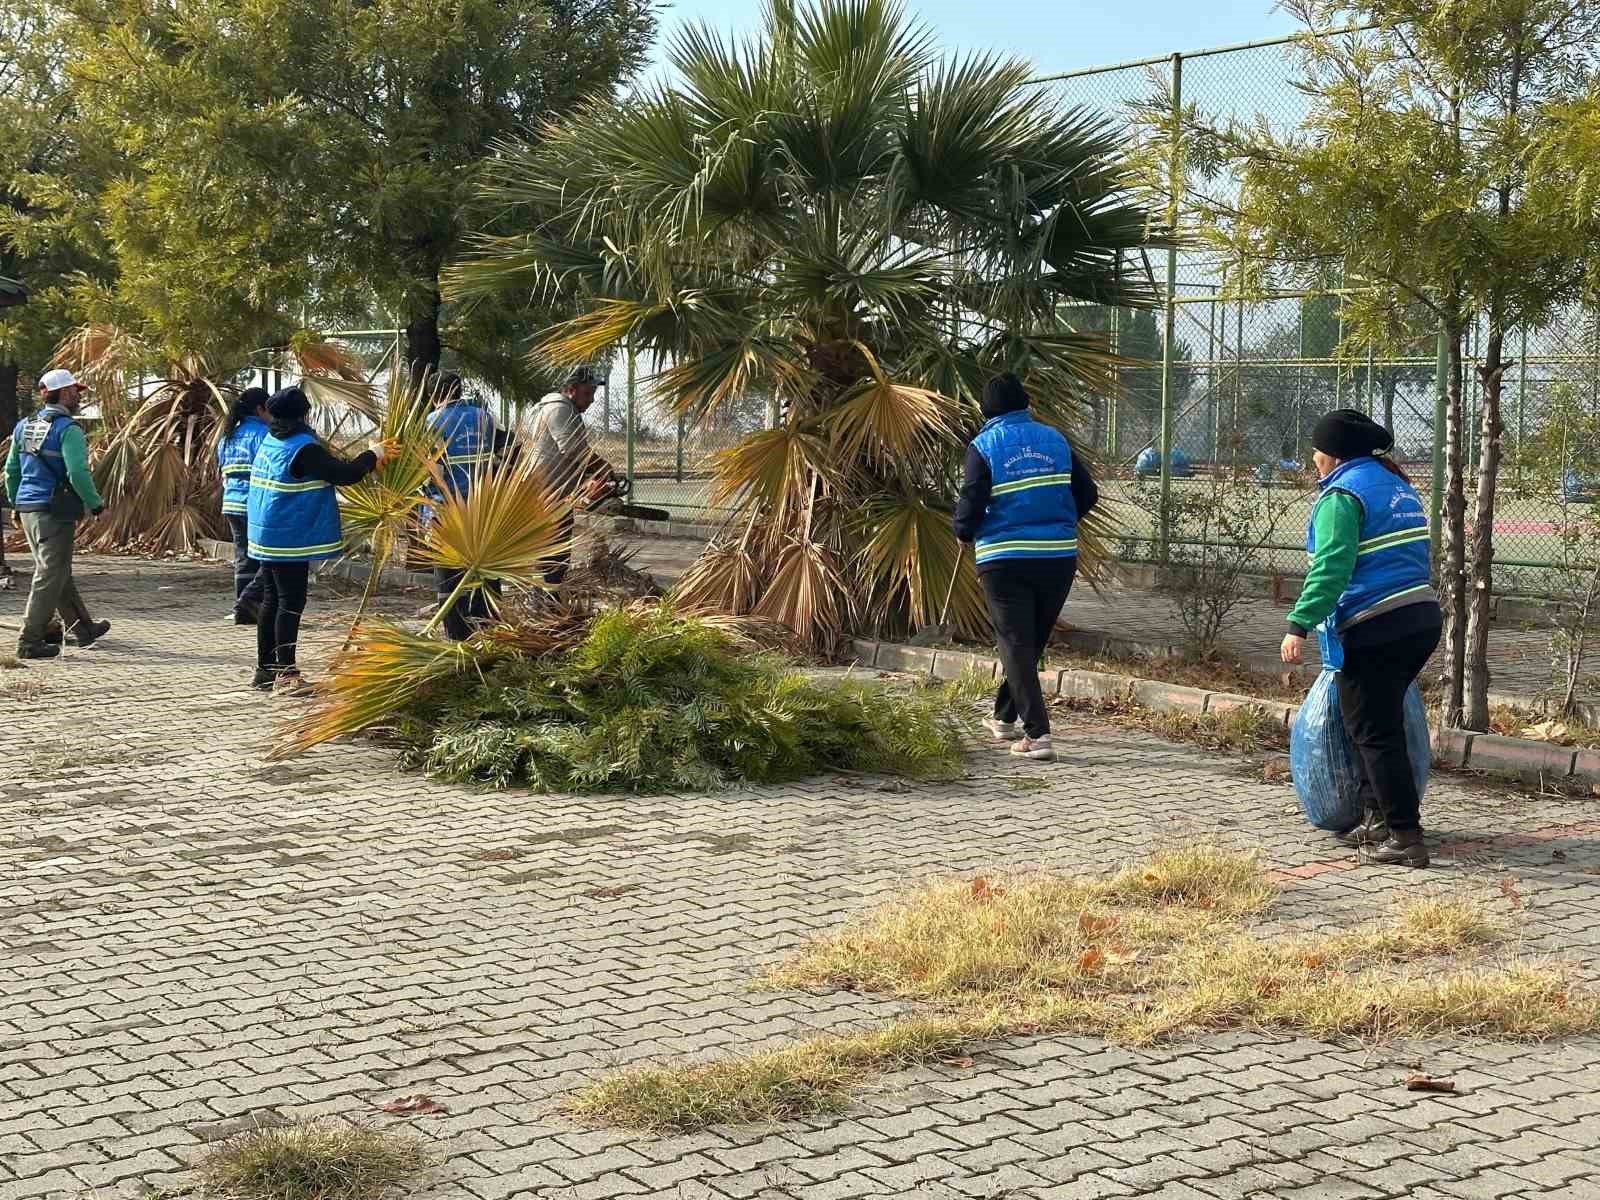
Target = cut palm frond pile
(608,574)
(640,698)
(837,221)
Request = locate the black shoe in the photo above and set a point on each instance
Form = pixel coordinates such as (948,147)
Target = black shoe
(53,635)
(42,650)
(85,636)
(1403,847)
(1372,830)
(263,679)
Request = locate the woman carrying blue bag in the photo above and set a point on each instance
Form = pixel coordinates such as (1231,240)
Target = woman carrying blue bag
(1369,578)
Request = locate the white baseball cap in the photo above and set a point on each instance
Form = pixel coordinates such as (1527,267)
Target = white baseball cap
(54,381)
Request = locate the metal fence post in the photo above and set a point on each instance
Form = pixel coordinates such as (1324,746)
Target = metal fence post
(1168,397)
(680,447)
(1522,398)
(632,414)
(1440,417)
(1114,407)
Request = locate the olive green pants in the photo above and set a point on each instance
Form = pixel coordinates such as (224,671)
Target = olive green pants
(50,539)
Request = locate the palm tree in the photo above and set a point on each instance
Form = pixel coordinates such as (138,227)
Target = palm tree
(835,216)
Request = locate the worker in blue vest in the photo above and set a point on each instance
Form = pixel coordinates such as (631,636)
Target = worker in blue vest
(469,444)
(1370,579)
(293,520)
(51,489)
(1021,499)
(242,434)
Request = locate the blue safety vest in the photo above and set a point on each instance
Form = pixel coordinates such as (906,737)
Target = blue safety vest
(234,457)
(1031,511)
(468,433)
(44,469)
(290,520)
(1392,567)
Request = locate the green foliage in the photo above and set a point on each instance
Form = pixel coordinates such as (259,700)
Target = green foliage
(651,701)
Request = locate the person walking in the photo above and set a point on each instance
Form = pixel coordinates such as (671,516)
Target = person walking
(293,521)
(1022,497)
(469,444)
(51,489)
(1369,580)
(242,435)
(559,441)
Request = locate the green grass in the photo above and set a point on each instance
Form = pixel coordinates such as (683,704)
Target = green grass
(316,1160)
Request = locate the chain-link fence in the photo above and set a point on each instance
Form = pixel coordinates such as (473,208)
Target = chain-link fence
(1246,378)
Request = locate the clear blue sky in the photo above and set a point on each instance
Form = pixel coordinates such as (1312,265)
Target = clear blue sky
(1058,35)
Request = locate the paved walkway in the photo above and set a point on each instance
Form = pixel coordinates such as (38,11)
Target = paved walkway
(192,938)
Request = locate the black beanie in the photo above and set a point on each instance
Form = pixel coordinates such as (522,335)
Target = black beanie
(289,404)
(247,401)
(1003,394)
(1346,433)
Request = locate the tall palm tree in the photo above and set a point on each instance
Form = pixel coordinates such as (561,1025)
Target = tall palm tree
(837,217)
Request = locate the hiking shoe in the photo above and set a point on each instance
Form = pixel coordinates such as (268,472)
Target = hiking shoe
(83,636)
(1038,748)
(263,679)
(1372,830)
(1002,731)
(42,650)
(292,684)
(1403,847)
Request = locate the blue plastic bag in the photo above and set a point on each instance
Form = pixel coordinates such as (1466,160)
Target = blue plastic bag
(1327,778)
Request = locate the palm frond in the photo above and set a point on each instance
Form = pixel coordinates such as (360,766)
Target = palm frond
(806,592)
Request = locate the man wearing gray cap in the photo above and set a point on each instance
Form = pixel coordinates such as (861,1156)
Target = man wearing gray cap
(560,445)
(48,480)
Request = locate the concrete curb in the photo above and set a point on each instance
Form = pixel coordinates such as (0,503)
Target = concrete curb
(1519,758)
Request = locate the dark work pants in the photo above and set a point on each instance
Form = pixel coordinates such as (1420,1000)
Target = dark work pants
(472,605)
(283,603)
(1372,695)
(246,585)
(1025,596)
(561,562)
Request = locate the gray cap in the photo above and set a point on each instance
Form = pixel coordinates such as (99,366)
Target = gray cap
(584,377)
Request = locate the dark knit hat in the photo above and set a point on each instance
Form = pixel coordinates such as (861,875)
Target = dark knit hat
(1003,394)
(247,401)
(289,404)
(1346,433)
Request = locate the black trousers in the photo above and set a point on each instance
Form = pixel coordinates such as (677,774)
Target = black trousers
(561,563)
(1372,693)
(470,606)
(246,584)
(1025,596)
(283,603)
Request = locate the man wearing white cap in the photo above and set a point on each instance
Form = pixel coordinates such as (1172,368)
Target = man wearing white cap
(48,480)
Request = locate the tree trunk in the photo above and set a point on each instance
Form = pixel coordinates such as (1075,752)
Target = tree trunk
(1481,591)
(10,402)
(1452,557)
(1391,384)
(423,348)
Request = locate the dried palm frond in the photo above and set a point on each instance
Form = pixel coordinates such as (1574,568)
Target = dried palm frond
(375,676)
(906,561)
(507,528)
(805,592)
(726,577)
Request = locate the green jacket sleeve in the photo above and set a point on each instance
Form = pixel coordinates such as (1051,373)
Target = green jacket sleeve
(1336,521)
(13,471)
(75,454)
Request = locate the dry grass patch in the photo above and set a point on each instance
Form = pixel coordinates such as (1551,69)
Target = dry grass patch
(316,1160)
(1166,947)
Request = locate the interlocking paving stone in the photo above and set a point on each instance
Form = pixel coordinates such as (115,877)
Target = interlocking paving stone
(197,939)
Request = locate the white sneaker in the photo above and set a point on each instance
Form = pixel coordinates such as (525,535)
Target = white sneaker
(1002,731)
(1038,748)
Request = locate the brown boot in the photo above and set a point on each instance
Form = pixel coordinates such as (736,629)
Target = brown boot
(1373,829)
(1403,847)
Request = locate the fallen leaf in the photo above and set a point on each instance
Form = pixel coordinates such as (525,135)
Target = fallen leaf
(1090,924)
(957,1060)
(1313,961)
(982,889)
(1426,1083)
(418,1105)
(1508,889)
(498,855)
(1091,959)
(1119,955)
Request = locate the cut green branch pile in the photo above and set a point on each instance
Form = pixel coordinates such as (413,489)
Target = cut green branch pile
(640,698)
(1160,949)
